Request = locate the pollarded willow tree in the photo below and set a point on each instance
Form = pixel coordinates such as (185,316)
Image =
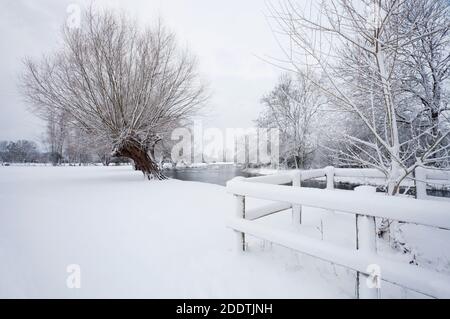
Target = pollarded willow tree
(123,85)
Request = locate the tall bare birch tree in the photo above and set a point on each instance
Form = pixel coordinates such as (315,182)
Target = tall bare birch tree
(124,85)
(357,46)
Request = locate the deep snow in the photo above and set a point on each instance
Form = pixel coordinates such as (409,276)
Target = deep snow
(131,238)
(135,238)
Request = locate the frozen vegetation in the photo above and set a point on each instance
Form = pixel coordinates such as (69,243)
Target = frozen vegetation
(364,97)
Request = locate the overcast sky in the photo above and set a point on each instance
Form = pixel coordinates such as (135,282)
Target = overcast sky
(229,37)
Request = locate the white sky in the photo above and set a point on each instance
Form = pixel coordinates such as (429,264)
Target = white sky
(227,36)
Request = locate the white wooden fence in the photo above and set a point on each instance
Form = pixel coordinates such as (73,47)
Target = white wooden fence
(428,176)
(364,205)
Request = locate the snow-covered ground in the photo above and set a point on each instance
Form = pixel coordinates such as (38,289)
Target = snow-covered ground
(136,238)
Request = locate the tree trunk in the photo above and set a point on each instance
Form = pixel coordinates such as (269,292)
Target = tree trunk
(142,160)
(106,160)
(393,189)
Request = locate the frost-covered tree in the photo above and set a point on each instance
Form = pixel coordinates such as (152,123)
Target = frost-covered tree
(357,47)
(124,85)
(3,151)
(293,107)
(57,126)
(426,73)
(21,151)
(79,147)
(102,151)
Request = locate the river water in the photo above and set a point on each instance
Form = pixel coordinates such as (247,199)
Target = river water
(221,174)
(213,174)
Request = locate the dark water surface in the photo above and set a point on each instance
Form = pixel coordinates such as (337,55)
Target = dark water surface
(221,174)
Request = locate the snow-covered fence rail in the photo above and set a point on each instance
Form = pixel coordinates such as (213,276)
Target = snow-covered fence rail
(421,177)
(359,172)
(366,207)
(429,176)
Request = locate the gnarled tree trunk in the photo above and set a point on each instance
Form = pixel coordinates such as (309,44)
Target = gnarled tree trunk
(134,150)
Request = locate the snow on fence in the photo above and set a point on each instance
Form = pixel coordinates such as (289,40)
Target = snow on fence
(421,177)
(366,207)
(428,176)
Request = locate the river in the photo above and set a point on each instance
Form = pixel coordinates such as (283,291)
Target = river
(213,174)
(220,174)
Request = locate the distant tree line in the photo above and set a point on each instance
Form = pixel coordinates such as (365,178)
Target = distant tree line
(21,151)
(73,152)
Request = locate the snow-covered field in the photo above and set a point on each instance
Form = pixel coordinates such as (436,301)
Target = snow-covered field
(135,238)
(132,238)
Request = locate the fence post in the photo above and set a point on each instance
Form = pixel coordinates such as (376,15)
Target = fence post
(240,213)
(366,240)
(420,176)
(329,172)
(297,209)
